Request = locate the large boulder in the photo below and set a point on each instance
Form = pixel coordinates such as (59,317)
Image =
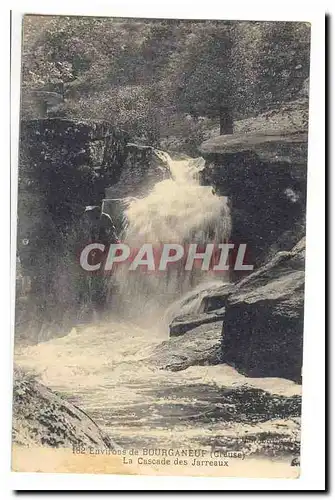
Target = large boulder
(43,418)
(186,322)
(199,346)
(65,165)
(263,325)
(143,168)
(195,329)
(201,306)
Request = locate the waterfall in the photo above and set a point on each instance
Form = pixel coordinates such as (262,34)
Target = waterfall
(177,210)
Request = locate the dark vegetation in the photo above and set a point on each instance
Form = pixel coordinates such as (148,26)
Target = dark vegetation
(160,79)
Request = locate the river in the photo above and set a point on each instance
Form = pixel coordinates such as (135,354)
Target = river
(103,366)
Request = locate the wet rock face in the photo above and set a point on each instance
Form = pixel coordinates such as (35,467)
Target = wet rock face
(263,324)
(41,417)
(195,337)
(260,319)
(184,323)
(267,202)
(199,346)
(66,164)
(210,310)
(142,169)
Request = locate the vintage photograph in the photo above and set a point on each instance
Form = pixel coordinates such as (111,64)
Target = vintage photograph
(160,246)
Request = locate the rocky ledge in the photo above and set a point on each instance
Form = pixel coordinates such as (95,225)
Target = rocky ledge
(255,325)
(262,168)
(275,136)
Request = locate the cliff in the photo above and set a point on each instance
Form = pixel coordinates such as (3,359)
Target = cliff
(262,168)
(262,332)
(64,166)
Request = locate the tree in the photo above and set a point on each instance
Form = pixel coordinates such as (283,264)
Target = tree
(143,75)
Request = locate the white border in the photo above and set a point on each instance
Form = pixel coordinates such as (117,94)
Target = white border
(312,475)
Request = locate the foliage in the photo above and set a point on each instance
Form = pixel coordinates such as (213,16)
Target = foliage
(146,74)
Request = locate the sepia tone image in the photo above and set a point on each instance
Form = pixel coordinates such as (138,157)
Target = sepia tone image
(160,259)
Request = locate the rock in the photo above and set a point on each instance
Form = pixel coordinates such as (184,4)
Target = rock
(204,298)
(142,169)
(199,346)
(275,147)
(186,322)
(195,331)
(216,299)
(267,203)
(65,165)
(287,239)
(200,306)
(279,135)
(195,335)
(262,168)
(41,417)
(263,326)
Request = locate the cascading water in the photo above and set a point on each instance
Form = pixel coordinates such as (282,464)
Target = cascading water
(109,366)
(177,210)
